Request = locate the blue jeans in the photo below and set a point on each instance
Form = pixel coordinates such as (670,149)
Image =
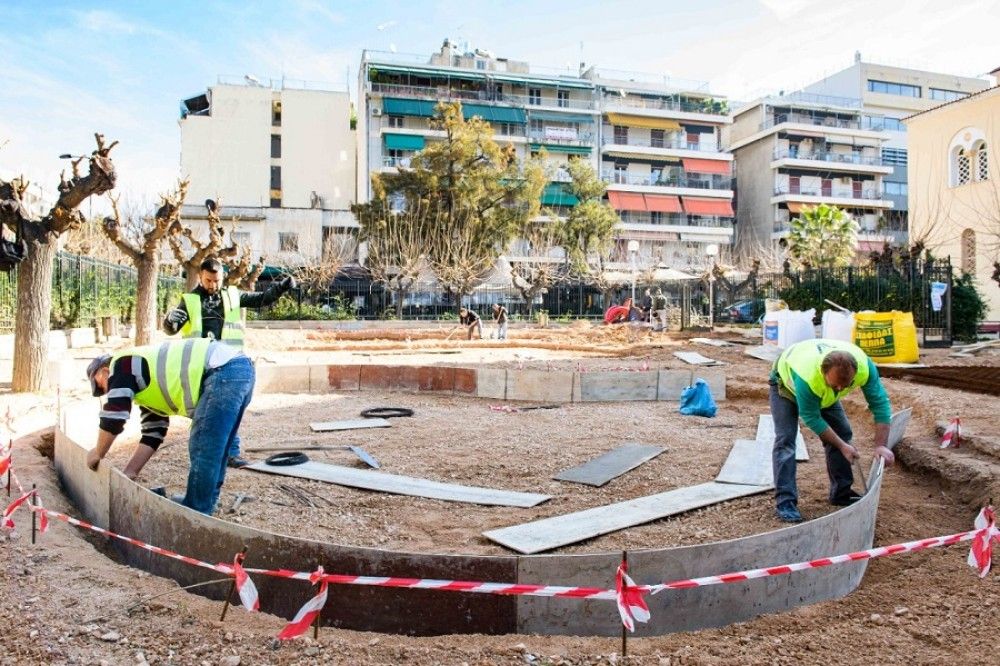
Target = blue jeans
(786,426)
(225,394)
(502,331)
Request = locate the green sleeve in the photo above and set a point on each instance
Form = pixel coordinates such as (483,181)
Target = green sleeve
(878,399)
(809,405)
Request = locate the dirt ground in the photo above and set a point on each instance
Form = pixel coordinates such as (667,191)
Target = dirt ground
(64,601)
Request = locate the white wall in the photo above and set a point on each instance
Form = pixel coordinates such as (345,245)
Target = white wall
(317,149)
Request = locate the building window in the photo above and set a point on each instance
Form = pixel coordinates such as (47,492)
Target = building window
(537,126)
(241,238)
(288,242)
(396,121)
(943,95)
(902,89)
(969,252)
(276,113)
(506,129)
(896,189)
(276,178)
(656,137)
(894,125)
(535,96)
(963,168)
(621,135)
(656,217)
(562,97)
(275,146)
(894,156)
(480,64)
(275,200)
(982,163)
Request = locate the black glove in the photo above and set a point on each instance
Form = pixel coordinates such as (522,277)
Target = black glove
(288,283)
(177,317)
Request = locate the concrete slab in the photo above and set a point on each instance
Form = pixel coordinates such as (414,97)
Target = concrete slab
(349,424)
(716,380)
(613,386)
(694,358)
(749,463)
(337,377)
(402,485)
(768,353)
(540,385)
(466,381)
(602,469)
(548,533)
(491,383)
(282,379)
(765,433)
(897,427)
(670,383)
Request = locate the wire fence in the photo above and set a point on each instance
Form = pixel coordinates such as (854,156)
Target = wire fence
(85,290)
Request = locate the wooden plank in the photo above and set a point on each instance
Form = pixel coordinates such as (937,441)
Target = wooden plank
(602,469)
(402,485)
(765,433)
(354,424)
(749,463)
(549,533)
(694,358)
(897,426)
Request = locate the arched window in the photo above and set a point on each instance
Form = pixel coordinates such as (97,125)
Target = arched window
(967,158)
(969,251)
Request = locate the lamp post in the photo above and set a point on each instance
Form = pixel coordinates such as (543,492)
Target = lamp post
(712,251)
(633,250)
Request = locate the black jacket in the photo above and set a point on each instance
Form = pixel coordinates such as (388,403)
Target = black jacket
(212,315)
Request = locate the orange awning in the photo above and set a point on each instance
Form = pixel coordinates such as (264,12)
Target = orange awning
(697,206)
(794,207)
(662,203)
(626,201)
(706,166)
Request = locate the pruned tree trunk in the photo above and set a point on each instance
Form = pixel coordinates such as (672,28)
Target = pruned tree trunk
(148,269)
(34,309)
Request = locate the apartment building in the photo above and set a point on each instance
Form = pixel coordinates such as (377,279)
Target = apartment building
(279,156)
(895,93)
(655,144)
(801,150)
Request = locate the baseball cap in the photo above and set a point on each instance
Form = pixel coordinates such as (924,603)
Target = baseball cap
(95,365)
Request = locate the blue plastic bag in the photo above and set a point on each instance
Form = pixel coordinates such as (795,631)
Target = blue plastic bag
(697,400)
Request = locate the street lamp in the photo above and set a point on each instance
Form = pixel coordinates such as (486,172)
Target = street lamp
(711,250)
(633,250)
(67,156)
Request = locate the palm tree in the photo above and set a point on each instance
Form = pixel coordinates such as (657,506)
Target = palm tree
(822,237)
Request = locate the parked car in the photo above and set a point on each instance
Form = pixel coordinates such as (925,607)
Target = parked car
(745,312)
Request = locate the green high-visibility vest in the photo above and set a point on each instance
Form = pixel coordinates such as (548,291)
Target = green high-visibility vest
(175,372)
(806,359)
(232,323)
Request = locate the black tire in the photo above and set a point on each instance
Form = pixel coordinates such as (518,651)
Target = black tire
(287,459)
(386,412)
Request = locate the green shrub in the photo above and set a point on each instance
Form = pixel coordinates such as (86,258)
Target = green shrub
(287,308)
(967,308)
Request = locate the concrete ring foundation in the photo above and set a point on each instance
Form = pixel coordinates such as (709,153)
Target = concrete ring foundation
(108,499)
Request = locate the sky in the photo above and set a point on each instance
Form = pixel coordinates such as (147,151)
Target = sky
(69,69)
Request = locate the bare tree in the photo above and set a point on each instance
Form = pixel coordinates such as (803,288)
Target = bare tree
(244,270)
(34,273)
(532,268)
(314,278)
(190,252)
(139,238)
(396,243)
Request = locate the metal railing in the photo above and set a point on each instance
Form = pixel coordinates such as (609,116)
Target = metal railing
(829,156)
(667,180)
(403,162)
(85,289)
(868,195)
(665,104)
(447,94)
(867,124)
(673,144)
(675,219)
(581,139)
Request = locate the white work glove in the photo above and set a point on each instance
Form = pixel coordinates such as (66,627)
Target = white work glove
(177,317)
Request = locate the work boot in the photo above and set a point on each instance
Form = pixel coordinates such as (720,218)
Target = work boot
(846,500)
(159,490)
(236,462)
(788,513)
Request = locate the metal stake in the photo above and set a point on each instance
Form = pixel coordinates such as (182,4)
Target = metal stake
(624,630)
(34,515)
(232,588)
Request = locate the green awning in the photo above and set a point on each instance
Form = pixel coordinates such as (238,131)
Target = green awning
(392,106)
(559,148)
(558,194)
(404,142)
(427,72)
(494,114)
(560,117)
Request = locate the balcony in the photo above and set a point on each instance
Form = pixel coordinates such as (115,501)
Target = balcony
(707,107)
(667,143)
(828,192)
(446,94)
(828,156)
(401,162)
(675,220)
(862,124)
(581,138)
(667,180)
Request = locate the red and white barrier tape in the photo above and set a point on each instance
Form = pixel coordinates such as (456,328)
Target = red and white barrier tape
(952,437)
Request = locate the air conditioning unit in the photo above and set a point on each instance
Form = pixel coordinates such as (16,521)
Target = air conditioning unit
(376,112)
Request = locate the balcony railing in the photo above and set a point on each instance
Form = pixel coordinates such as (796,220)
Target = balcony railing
(865,123)
(828,156)
(675,144)
(581,139)
(660,104)
(869,195)
(403,162)
(667,180)
(676,220)
(444,93)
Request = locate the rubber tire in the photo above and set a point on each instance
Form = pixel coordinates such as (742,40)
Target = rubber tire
(386,412)
(287,459)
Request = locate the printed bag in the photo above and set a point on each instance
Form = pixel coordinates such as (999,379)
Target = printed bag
(887,337)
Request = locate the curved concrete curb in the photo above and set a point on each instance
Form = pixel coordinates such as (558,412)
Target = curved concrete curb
(109,499)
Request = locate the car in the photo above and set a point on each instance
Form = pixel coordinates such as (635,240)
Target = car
(745,312)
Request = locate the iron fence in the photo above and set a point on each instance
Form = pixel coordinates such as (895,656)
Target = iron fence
(86,289)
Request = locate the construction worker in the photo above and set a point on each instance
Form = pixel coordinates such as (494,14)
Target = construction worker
(659,314)
(808,379)
(213,311)
(471,321)
(500,319)
(207,381)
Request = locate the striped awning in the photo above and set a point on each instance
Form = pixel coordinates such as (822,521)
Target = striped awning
(700,206)
(644,121)
(404,142)
(693,165)
(494,114)
(633,201)
(392,106)
(662,203)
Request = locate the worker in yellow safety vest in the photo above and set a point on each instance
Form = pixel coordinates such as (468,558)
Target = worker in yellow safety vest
(808,380)
(213,311)
(204,380)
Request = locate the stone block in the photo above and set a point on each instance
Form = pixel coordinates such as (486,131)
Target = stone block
(491,383)
(436,378)
(670,384)
(612,386)
(540,385)
(465,381)
(389,377)
(716,380)
(282,379)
